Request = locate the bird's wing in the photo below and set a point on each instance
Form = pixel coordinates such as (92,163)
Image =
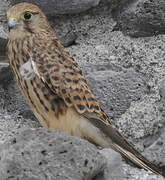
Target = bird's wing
(65,78)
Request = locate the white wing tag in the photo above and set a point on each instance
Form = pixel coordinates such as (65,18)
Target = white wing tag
(27,71)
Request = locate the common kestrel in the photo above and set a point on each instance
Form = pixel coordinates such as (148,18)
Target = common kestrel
(55,87)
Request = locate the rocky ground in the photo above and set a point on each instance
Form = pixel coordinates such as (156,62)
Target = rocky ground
(126,74)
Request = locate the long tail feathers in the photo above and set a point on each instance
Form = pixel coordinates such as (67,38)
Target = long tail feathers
(139,160)
(120,144)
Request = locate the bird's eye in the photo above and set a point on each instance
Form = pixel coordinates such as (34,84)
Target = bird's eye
(27,16)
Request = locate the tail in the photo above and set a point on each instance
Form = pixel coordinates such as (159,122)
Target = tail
(139,160)
(121,145)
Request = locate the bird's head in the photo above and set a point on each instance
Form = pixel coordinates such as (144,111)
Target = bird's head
(25,19)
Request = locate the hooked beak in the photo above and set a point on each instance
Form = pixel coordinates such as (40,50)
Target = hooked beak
(12,22)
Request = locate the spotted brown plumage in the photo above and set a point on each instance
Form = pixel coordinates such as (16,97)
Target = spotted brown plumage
(55,87)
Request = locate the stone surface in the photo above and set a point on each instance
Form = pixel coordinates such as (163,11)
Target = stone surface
(161,102)
(62,6)
(14,100)
(162,90)
(136,174)
(42,154)
(156,151)
(10,124)
(4,4)
(5,73)
(3,43)
(114,168)
(115,87)
(141,18)
(69,39)
(3,8)
(142,119)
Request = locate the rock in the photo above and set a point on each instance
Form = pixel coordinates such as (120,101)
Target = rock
(156,152)
(68,39)
(3,43)
(162,89)
(3,29)
(15,101)
(4,4)
(161,102)
(140,120)
(141,18)
(62,6)
(115,87)
(1,99)
(113,4)
(3,8)
(5,73)
(114,169)
(10,124)
(131,173)
(42,154)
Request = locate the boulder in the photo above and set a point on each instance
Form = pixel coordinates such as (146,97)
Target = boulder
(62,6)
(43,154)
(140,18)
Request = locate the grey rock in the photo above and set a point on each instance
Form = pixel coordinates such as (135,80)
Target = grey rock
(10,124)
(139,174)
(3,8)
(15,101)
(3,43)
(3,40)
(62,6)
(141,18)
(4,4)
(117,4)
(162,89)
(156,152)
(142,119)
(161,102)
(68,39)
(42,154)
(5,75)
(115,87)
(1,99)
(5,72)
(114,167)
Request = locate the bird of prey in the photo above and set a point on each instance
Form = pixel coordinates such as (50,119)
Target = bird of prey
(55,87)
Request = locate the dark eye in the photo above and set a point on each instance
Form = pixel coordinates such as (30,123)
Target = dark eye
(27,16)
